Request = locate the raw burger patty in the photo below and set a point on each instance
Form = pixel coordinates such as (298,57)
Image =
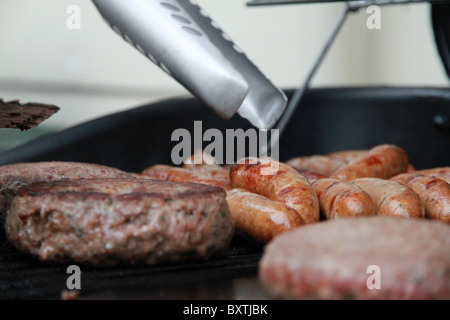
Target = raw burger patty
(108,221)
(333,259)
(15,176)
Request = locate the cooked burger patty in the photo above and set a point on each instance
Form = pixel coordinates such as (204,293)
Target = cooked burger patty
(349,258)
(15,176)
(103,222)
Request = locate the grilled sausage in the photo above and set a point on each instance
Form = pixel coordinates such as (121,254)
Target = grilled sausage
(339,199)
(283,184)
(260,218)
(206,165)
(351,155)
(434,193)
(348,155)
(169,173)
(318,163)
(383,161)
(214,171)
(199,158)
(392,198)
(312,175)
(441,173)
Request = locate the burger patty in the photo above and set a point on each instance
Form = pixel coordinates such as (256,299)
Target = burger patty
(371,258)
(103,222)
(15,176)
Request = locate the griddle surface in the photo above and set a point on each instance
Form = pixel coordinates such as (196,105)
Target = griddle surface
(24,277)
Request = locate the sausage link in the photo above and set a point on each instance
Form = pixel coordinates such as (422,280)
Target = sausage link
(392,198)
(169,173)
(348,155)
(207,166)
(434,193)
(440,173)
(214,171)
(258,217)
(312,175)
(318,163)
(199,158)
(284,184)
(340,199)
(351,155)
(383,161)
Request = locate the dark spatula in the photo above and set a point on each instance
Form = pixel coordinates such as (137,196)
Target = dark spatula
(15,115)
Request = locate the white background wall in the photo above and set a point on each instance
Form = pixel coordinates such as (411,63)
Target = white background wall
(92,72)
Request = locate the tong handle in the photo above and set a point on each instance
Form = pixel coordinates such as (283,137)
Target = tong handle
(174,35)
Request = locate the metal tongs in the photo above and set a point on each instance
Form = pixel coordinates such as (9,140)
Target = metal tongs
(188,45)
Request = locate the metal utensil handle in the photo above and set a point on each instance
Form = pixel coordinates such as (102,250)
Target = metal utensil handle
(174,34)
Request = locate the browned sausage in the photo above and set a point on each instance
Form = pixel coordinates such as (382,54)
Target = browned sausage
(348,155)
(207,166)
(312,175)
(283,184)
(383,161)
(169,173)
(392,198)
(260,218)
(199,158)
(340,199)
(214,171)
(434,193)
(318,163)
(351,155)
(440,172)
